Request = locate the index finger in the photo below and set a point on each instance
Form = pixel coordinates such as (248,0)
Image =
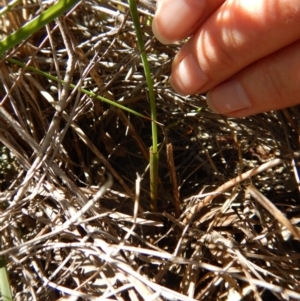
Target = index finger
(239,33)
(177,19)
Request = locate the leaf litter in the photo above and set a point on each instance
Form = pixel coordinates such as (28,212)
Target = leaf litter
(75,221)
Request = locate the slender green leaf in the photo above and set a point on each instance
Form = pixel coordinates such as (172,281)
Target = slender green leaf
(87,92)
(37,23)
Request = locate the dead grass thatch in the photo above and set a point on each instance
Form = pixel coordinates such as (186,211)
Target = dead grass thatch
(70,230)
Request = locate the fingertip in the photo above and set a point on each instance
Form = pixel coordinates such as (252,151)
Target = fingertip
(158,35)
(176,20)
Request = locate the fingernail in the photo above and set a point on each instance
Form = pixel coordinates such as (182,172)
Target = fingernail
(227,98)
(187,77)
(173,18)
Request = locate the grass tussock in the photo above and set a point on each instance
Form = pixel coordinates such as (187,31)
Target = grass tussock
(74,202)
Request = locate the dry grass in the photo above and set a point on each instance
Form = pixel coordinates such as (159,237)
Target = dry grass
(68,231)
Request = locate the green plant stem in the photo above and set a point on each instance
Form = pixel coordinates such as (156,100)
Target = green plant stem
(154,161)
(34,25)
(154,156)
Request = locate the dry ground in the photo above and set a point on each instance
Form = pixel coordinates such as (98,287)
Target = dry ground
(215,235)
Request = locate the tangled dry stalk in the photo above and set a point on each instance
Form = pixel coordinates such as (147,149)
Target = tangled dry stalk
(70,231)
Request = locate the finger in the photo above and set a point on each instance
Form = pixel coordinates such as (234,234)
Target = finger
(178,19)
(271,83)
(239,33)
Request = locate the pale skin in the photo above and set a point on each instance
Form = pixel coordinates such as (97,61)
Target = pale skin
(244,53)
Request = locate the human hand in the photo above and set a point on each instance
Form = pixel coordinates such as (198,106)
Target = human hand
(244,53)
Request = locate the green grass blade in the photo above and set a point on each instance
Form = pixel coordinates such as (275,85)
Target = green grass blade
(37,23)
(135,17)
(87,92)
(154,156)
